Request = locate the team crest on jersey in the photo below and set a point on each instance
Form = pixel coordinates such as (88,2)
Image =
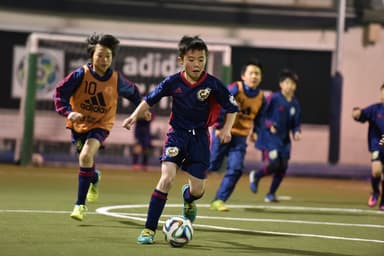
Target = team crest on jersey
(292,111)
(171,151)
(203,94)
(273,154)
(375,155)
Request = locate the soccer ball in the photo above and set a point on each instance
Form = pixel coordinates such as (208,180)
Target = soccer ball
(37,160)
(178,231)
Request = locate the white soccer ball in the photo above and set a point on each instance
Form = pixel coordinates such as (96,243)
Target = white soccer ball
(178,231)
(37,159)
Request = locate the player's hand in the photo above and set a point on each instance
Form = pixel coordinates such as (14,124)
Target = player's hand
(75,117)
(273,129)
(381,142)
(253,137)
(147,115)
(356,112)
(129,122)
(297,136)
(225,137)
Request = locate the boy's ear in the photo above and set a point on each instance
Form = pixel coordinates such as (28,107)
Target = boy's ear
(180,60)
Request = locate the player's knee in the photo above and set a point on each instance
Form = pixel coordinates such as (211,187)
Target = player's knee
(377,168)
(85,159)
(376,172)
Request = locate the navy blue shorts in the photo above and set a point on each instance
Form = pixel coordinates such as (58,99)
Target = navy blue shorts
(189,150)
(78,139)
(377,155)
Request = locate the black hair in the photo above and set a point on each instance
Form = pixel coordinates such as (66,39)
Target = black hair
(191,43)
(287,73)
(108,41)
(253,62)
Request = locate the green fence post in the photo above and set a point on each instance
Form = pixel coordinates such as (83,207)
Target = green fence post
(226,74)
(29,106)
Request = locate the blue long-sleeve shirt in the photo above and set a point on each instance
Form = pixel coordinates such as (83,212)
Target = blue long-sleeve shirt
(374,115)
(285,116)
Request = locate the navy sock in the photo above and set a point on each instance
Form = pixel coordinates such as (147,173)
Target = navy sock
(375,181)
(155,209)
(276,181)
(95,177)
(85,178)
(382,193)
(188,197)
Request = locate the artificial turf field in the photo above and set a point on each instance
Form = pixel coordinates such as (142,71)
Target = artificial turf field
(319,217)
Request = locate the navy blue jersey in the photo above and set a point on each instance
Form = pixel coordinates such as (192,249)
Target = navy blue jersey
(285,116)
(192,103)
(374,115)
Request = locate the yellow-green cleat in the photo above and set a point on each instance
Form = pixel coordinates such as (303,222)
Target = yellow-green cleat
(78,212)
(146,236)
(189,209)
(93,191)
(218,205)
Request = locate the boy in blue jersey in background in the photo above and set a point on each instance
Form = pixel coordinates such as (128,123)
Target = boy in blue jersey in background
(195,94)
(374,115)
(250,99)
(282,115)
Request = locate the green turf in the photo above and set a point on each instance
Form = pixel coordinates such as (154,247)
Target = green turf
(323,217)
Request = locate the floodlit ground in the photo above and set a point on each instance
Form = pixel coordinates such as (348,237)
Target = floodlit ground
(316,217)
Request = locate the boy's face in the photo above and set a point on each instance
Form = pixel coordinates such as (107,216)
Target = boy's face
(288,87)
(101,59)
(252,76)
(194,62)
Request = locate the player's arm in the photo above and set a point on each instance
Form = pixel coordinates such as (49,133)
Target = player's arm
(225,132)
(296,129)
(356,112)
(128,90)
(271,114)
(259,120)
(367,114)
(64,90)
(141,111)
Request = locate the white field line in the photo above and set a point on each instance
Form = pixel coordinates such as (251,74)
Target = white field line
(142,217)
(135,216)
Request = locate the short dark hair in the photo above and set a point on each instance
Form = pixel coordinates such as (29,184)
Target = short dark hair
(287,73)
(253,62)
(191,43)
(108,41)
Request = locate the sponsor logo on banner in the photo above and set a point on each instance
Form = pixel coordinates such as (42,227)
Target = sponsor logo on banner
(50,70)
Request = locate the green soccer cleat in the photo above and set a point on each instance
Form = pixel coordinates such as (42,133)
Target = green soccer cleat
(190,209)
(218,205)
(78,212)
(93,191)
(146,236)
